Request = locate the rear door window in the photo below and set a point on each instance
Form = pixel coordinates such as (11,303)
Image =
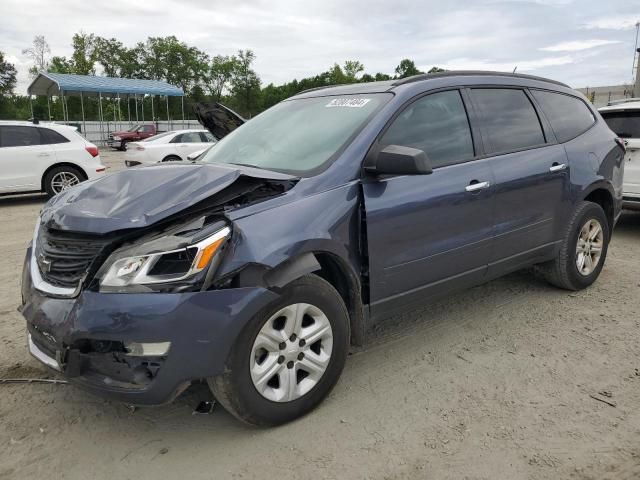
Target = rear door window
(569,116)
(207,137)
(18,136)
(509,119)
(625,124)
(436,124)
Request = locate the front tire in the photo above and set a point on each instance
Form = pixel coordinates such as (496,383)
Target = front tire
(289,356)
(583,250)
(172,158)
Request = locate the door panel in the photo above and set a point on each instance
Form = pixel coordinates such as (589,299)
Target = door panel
(424,230)
(531,202)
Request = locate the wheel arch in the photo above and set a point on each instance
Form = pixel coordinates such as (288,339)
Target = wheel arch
(61,164)
(602,194)
(328,266)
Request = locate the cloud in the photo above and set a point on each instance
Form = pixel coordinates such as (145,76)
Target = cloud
(293,39)
(578,45)
(522,65)
(615,22)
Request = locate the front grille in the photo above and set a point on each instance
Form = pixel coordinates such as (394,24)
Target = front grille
(64,258)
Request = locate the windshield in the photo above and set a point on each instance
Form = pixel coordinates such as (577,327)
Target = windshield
(297,136)
(134,128)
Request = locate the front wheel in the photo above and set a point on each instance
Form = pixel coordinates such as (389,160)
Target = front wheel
(583,249)
(289,356)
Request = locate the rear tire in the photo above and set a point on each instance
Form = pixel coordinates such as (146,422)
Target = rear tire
(60,178)
(579,261)
(267,380)
(172,158)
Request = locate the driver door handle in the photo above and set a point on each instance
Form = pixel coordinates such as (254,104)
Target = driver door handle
(475,186)
(557,167)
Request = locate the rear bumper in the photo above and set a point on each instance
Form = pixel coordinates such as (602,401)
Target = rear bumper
(631,201)
(82,337)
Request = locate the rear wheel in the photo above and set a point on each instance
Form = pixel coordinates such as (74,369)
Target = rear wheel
(289,356)
(61,178)
(583,250)
(172,158)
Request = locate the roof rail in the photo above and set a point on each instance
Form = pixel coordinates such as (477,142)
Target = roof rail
(624,100)
(458,73)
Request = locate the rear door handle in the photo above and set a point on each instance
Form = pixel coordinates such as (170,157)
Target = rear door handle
(557,167)
(475,186)
(43,154)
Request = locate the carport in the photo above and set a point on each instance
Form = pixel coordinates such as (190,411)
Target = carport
(63,85)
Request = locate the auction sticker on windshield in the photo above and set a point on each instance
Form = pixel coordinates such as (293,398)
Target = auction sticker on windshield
(348,102)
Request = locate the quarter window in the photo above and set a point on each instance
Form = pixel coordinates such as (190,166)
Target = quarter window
(17,136)
(49,137)
(508,118)
(436,124)
(569,116)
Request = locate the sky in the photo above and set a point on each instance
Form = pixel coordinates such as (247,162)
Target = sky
(583,43)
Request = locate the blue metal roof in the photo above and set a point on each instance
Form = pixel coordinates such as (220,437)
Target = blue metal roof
(54,83)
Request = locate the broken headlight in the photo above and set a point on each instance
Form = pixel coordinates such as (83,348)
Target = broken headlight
(153,264)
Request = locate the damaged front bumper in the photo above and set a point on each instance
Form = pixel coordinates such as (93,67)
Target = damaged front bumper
(88,338)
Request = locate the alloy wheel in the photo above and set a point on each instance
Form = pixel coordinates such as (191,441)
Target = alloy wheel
(63,180)
(589,247)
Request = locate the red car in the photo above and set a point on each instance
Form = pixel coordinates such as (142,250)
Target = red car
(119,140)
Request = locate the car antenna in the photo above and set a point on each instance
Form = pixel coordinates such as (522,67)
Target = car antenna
(514,70)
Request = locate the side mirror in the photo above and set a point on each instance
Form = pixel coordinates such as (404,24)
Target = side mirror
(399,160)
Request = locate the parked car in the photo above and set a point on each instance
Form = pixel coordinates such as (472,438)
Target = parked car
(258,266)
(119,140)
(168,147)
(45,158)
(624,119)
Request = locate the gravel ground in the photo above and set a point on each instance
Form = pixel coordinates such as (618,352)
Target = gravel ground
(493,383)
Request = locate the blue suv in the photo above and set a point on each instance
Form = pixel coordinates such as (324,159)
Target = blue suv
(259,265)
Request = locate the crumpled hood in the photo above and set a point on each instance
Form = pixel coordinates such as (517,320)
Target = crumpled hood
(139,197)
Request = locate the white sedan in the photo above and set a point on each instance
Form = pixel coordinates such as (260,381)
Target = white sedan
(45,157)
(167,147)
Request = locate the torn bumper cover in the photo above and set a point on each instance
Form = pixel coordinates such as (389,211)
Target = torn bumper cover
(88,338)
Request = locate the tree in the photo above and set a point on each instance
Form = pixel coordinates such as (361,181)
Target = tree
(38,54)
(351,70)
(245,85)
(407,68)
(436,70)
(221,73)
(84,54)
(379,77)
(60,65)
(115,59)
(7,76)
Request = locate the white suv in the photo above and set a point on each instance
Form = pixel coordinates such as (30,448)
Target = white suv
(623,117)
(45,158)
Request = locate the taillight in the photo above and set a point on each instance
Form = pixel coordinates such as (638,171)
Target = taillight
(93,150)
(621,143)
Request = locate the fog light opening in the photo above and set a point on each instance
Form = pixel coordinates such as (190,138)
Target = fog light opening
(147,349)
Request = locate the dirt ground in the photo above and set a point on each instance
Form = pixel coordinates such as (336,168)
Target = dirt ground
(493,383)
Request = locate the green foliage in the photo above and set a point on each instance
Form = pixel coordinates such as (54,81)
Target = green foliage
(7,76)
(230,79)
(221,72)
(407,68)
